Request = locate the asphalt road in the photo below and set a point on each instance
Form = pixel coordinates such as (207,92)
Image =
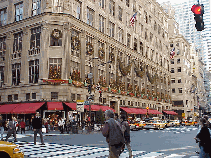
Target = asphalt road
(171,140)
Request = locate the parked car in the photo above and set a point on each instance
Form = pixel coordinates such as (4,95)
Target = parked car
(176,123)
(168,123)
(10,150)
(156,124)
(134,126)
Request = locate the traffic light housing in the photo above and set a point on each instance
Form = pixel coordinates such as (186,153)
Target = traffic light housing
(147,110)
(198,11)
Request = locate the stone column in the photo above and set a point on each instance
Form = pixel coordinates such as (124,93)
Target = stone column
(8,66)
(24,77)
(107,65)
(95,61)
(44,45)
(66,53)
(116,65)
(83,54)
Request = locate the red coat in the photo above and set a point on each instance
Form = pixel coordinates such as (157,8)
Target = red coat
(22,124)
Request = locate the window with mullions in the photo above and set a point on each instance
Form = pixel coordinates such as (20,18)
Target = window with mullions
(78,9)
(90,16)
(1,76)
(112,7)
(19,11)
(35,38)
(34,71)
(17,45)
(16,68)
(101,23)
(3,17)
(120,35)
(2,47)
(127,3)
(111,29)
(55,65)
(102,4)
(36,7)
(120,13)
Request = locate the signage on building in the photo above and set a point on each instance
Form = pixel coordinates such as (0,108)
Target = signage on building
(80,106)
(183,114)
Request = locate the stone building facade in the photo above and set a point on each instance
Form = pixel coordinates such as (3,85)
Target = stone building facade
(48,48)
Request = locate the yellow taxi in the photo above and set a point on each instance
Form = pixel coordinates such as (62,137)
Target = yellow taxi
(10,150)
(155,124)
(168,123)
(176,123)
(134,126)
(141,124)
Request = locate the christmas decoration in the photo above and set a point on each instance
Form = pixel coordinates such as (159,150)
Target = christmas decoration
(76,75)
(139,73)
(55,73)
(89,48)
(111,56)
(151,78)
(101,53)
(55,81)
(56,34)
(75,43)
(77,83)
(124,70)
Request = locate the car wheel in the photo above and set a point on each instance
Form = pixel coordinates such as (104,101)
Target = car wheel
(4,155)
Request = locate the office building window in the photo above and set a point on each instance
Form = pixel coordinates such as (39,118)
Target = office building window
(180,90)
(120,13)
(1,76)
(35,38)
(3,17)
(112,7)
(173,90)
(90,16)
(101,23)
(173,80)
(54,95)
(120,35)
(102,4)
(17,45)
(172,70)
(33,95)
(27,96)
(36,7)
(55,65)
(78,9)
(179,80)
(178,61)
(111,29)
(16,68)
(34,71)
(2,47)
(19,11)
(179,69)
(172,61)
(9,97)
(56,38)
(15,96)
(127,3)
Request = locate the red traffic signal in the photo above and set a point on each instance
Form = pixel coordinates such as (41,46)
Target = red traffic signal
(197,9)
(147,108)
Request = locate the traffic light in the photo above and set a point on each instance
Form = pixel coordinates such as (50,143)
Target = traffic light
(100,93)
(147,110)
(198,11)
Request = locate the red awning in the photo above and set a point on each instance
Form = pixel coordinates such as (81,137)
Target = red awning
(127,110)
(154,112)
(55,106)
(170,112)
(71,105)
(27,108)
(141,111)
(7,108)
(104,108)
(131,110)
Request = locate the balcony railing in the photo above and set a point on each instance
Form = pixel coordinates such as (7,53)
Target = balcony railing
(34,51)
(16,55)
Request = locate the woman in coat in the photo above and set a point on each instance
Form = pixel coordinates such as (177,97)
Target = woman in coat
(204,139)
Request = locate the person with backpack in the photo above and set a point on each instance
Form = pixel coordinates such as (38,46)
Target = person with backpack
(125,125)
(204,139)
(114,136)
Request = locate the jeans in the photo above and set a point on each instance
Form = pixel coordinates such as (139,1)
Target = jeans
(2,132)
(129,149)
(202,154)
(35,135)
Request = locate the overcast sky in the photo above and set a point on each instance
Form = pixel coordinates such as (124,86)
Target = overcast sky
(172,1)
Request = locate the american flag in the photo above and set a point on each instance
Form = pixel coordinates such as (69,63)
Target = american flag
(132,20)
(172,53)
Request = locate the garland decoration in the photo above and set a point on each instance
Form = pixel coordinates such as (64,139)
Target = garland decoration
(151,78)
(75,43)
(124,70)
(55,73)
(139,73)
(56,34)
(111,56)
(101,53)
(76,75)
(89,48)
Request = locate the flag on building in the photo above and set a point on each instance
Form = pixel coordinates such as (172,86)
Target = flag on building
(172,53)
(132,20)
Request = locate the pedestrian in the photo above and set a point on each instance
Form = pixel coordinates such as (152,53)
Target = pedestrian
(2,122)
(61,125)
(6,124)
(23,125)
(11,129)
(116,117)
(27,124)
(113,133)
(53,123)
(37,127)
(125,124)
(68,126)
(83,123)
(207,121)
(16,126)
(204,139)
(46,125)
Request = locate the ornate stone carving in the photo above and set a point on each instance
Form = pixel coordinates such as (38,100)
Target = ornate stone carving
(67,5)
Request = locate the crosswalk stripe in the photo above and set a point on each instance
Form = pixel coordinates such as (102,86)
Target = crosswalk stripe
(175,155)
(151,155)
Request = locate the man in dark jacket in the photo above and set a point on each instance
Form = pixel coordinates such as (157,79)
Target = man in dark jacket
(11,129)
(37,126)
(2,122)
(126,134)
(114,135)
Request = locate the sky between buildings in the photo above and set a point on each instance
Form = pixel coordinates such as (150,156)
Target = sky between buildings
(174,1)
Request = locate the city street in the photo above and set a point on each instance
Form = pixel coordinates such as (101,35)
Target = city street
(170,142)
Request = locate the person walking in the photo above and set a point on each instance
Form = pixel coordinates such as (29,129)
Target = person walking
(11,129)
(126,134)
(204,139)
(37,127)
(114,135)
(116,117)
(23,125)
(83,123)
(53,123)
(61,125)
(46,125)
(27,124)
(2,122)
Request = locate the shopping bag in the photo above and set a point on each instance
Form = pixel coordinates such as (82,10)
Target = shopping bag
(43,130)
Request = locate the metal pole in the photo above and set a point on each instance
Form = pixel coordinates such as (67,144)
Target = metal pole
(90,106)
